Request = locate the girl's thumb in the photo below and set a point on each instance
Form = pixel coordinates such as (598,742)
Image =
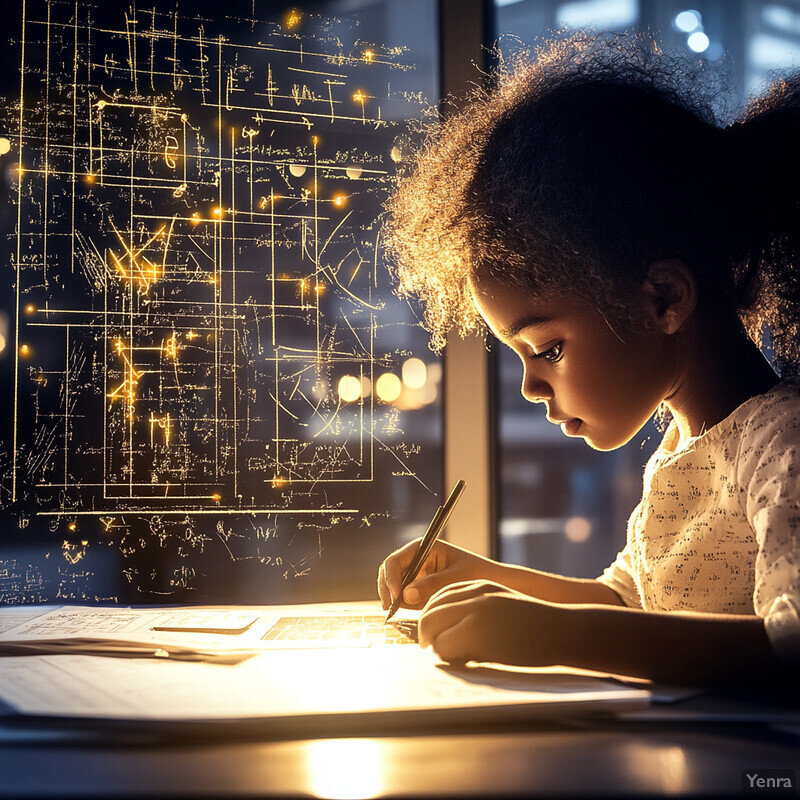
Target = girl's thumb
(421,589)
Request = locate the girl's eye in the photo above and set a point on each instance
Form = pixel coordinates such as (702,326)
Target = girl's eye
(553,355)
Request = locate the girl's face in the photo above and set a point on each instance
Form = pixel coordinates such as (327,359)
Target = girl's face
(596,383)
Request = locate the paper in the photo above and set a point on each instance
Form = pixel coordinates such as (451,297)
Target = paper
(293,684)
(13,616)
(281,684)
(194,633)
(214,634)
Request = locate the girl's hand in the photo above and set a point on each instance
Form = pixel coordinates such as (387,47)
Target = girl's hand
(482,621)
(446,564)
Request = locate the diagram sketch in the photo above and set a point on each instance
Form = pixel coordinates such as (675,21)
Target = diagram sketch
(205,360)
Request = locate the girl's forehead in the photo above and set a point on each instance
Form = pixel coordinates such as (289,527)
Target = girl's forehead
(507,310)
(488,290)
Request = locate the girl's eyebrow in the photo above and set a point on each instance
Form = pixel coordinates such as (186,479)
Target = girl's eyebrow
(529,321)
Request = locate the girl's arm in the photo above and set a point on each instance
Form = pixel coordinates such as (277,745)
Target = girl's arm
(557,588)
(486,622)
(448,564)
(678,647)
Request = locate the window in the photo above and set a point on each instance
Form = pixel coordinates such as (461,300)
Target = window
(212,392)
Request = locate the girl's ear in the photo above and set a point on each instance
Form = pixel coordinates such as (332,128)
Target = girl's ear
(670,293)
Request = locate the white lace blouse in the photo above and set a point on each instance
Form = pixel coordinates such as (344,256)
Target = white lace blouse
(718,526)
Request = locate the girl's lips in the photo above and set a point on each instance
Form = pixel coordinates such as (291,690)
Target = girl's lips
(571,427)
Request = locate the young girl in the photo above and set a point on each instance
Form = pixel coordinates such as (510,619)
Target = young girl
(597,217)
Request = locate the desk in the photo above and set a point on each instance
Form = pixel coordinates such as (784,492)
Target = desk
(579,757)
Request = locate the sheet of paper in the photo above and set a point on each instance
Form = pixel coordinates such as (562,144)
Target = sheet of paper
(178,631)
(13,616)
(290,684)
(125,624)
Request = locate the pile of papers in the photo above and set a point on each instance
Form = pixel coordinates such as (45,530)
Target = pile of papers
(191,634)
(195,664)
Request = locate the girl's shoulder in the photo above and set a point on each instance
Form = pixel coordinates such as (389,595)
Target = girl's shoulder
(778,407)
(768,423)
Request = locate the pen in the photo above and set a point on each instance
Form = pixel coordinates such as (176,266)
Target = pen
(435,527)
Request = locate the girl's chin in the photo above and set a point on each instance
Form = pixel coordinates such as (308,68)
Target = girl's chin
(597,441)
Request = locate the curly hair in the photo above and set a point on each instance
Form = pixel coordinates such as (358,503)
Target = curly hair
(590,159)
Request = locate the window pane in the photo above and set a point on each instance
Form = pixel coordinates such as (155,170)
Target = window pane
(212,392)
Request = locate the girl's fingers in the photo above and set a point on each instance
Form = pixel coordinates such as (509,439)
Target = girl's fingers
(463,590)
(383,589)
(434,621)
(428,585)
(457,644)
(489,623)
(395,565)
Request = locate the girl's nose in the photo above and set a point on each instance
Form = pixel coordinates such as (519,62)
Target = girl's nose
(534,389)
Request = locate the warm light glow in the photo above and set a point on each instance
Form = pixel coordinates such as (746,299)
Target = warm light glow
(73,526)
(340,200)
(298,170)
(127,389)
(277,482)
(195,218)
(345,768)
(292,19)
(388,387)
(5,145)
(577,529)
(169,347)
(90,177)
(366,386)
(369,56)
(353,172)
(415,373)
(216,497)
(165,423)
(24,350)
(143,271)
(359,96)
(644,760)
(349,388)
(411,399)
(73,553)
(218,211)
(30,308)
(192,335)
(134,266)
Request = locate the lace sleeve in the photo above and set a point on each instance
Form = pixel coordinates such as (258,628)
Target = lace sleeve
(619,577)
(769,468)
